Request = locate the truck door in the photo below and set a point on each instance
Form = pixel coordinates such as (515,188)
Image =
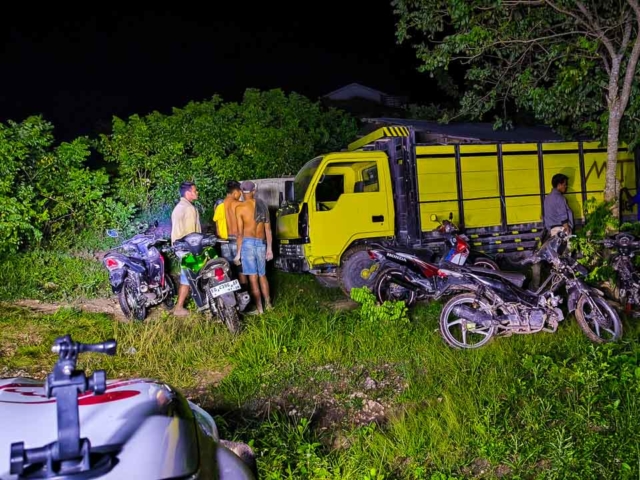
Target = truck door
(352,200)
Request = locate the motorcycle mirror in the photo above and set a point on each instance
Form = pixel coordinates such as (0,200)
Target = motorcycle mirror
(112,233)
(450,216)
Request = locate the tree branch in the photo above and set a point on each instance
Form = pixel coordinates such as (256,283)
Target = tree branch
(590,25)
(633,60)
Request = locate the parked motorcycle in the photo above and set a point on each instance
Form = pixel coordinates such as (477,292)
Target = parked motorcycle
(137,274)
(498,307)
(131,428)
(628,279)
(411,276)
(210,279)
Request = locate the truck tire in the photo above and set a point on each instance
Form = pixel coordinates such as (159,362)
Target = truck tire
(356,270)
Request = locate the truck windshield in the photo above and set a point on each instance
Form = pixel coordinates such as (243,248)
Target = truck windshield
(303,178)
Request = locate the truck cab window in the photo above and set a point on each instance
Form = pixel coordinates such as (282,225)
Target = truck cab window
(370,179)
(329,191)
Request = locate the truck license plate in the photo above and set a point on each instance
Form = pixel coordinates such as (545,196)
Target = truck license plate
(223,288)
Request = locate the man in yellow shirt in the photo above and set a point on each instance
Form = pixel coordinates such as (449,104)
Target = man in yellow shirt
(185,219)
(227,226)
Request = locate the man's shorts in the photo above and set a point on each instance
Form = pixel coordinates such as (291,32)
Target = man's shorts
(229,250)
(253,256)
(183,276)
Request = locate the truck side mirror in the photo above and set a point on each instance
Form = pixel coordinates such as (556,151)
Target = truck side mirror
(288,190)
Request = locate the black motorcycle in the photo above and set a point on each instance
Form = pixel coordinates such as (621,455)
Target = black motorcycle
(412,275)
(210,279)
(498,307)
(628,280)
(137,274)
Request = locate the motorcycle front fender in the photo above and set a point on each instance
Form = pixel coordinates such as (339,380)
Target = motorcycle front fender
(578,289)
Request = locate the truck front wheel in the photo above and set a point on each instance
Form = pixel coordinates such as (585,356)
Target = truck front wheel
(357,269)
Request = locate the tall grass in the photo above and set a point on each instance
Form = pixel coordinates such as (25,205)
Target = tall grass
(297,382)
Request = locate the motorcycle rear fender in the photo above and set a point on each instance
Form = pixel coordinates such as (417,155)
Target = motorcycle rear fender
(116,279)
(135,266)
(229,299)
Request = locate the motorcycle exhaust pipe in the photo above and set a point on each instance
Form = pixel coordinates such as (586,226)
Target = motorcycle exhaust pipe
(475,316)
(403,283)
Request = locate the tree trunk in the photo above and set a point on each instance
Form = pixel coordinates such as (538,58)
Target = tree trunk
(611,192)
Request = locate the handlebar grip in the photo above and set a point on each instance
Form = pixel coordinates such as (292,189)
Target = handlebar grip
(109,347)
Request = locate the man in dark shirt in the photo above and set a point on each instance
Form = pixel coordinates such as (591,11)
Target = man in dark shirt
(557,214)
(558,217)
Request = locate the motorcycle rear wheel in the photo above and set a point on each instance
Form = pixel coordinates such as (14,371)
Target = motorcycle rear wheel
(448,336)
(130,306)
(384,282)
(228,314)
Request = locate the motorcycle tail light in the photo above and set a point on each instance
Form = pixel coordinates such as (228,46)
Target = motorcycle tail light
(112,263)
(219,274)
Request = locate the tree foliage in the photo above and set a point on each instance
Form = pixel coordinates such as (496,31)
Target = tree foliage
(46,189)
(268,134)
(572,63)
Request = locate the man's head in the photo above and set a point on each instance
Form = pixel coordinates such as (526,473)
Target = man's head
(248,188)
(233,189)
(560,182)
(189,191)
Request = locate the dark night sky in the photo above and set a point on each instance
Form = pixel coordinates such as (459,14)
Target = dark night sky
(78,68)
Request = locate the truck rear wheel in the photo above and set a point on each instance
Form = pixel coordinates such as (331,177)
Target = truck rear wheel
(357,269)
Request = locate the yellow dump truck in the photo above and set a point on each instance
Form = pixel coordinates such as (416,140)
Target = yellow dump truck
(386,186)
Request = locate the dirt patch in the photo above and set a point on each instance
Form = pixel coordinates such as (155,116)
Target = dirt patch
(110,306)
(334,397)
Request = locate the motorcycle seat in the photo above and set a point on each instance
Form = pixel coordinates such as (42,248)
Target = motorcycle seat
(515,278)
(426,255)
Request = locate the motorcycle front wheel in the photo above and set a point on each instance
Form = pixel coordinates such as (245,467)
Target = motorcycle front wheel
(170,301)
(601,324)
(128,299)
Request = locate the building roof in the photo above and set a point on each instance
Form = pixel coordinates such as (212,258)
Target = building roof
(373,90)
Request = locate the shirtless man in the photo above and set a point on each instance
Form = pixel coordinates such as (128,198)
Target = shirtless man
(253,228)
(227,225)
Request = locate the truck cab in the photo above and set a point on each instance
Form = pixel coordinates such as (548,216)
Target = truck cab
(334,202)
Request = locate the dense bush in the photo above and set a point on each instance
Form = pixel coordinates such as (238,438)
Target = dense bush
(47,191)
(269,134)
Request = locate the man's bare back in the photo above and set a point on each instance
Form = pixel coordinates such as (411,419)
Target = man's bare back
(246,213)
(230,205)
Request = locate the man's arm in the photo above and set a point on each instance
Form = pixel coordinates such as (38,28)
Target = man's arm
(267,232)
(238,213)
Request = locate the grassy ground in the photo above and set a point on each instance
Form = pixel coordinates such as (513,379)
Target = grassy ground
(326,393)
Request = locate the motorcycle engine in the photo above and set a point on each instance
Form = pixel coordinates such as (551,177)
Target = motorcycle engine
(537,318)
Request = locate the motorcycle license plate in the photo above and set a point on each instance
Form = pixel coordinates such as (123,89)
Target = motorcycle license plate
(223,288)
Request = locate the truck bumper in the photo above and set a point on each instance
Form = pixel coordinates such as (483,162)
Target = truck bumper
(292,264)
